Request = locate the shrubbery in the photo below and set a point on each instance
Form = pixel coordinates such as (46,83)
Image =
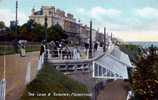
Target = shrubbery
(145,77)
(48,81)
(133,51)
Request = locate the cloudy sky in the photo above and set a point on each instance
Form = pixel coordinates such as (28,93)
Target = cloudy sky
(129,20)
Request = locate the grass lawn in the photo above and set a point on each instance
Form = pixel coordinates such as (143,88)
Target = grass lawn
(31,48)
(9,49)
(51,81)
(5,49)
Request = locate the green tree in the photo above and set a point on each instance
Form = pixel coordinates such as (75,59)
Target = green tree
(145,77)
(32,31)
(134,52)
(25,34)
(38,31)
(55,32)
(2,24)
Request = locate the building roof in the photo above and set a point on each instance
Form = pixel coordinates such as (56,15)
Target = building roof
(121,56)
(38,12)
(113,65)
(116,61)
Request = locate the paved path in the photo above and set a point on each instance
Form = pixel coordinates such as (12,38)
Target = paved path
(116,90)
(16,68)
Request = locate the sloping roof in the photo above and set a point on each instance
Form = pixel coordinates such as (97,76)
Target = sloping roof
(116,61)
(108,62)
(121,56)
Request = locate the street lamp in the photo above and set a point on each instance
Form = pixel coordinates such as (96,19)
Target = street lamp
(15,27)
(46,29)
(90,41)
(45,40)
(104,46)
(16,19)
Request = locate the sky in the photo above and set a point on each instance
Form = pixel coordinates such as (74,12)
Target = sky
(128,20)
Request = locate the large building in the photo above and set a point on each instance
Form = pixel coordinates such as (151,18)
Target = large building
(54,16)
(74,29)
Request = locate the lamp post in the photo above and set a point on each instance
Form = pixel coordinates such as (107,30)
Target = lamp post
(45,40)
(16,19)
(90,41)
(45,29)
(15,27)
(104,46)
(111,37)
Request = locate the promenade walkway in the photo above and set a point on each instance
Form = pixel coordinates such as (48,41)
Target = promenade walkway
(16,68)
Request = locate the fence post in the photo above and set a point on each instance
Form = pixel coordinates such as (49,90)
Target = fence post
(28,73)
(58,53)
(40,61)
(2,89)
(61,54)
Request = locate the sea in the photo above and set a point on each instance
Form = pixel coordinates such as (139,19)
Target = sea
(144,44)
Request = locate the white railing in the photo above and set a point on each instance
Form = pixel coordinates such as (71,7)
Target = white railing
(2,89)
(73,55)
(62,55)
(28,73)
(40,61)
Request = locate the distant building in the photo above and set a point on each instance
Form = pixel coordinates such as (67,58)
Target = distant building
(13,25)
(72,28)
(54,16)
(84,34)
(100,37)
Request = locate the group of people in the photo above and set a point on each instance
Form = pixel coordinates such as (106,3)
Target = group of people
(19,47)
(70,53)
(65,51)
(62,50)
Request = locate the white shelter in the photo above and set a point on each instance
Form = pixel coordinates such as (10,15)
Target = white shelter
(112,65)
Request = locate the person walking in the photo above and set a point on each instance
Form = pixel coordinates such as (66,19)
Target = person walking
(78,53)
(41,49)
(75,53)
(95,46)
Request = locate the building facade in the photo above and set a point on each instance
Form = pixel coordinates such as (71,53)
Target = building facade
(75,30)
(54,16)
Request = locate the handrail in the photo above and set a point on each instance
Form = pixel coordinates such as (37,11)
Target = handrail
(75,61)
(61,61)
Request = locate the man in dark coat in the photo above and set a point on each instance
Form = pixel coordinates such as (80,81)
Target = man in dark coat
(42,49)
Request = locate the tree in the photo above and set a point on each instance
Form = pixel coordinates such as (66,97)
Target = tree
(56,33)
(25,33)
(38,31)
(32,31)
(2,25)
(133,51)
(30,26)
(145,77)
